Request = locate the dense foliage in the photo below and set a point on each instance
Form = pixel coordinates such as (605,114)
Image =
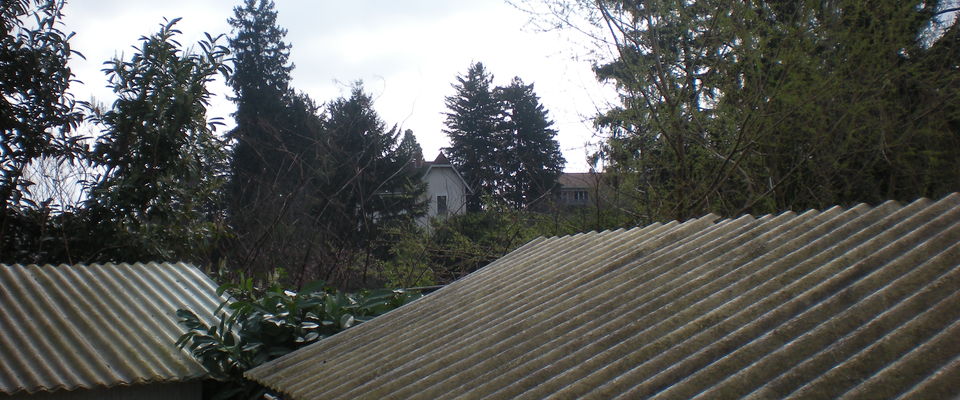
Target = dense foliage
(274,132)
(735,107)
(150,182)
(157,197)
(261,325)
(274,126)
(472,128)
(528,154)
(37,116)
(501,140)
(725,107)
(312,188)
(409,149)
(460,244)
(373,186)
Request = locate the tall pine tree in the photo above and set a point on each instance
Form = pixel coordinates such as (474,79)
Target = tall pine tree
(472,128)
(268,151)
(501,140)
(409,148)
(529,156)
(276,159)
(371,188)
(261,75)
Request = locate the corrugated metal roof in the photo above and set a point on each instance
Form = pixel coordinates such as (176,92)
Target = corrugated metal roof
(856,303)
(87,326)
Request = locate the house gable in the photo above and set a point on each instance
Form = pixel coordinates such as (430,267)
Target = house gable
(446,192)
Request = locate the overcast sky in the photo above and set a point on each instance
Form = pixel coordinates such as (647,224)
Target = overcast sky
(407,53)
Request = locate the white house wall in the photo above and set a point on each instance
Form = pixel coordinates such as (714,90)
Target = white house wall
(444,181)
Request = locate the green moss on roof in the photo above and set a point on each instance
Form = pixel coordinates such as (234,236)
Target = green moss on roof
(862,302)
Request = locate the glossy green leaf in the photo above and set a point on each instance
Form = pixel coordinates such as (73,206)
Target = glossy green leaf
(346,321)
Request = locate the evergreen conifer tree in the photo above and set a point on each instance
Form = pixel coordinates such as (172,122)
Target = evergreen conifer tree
(371,188)
(529,156)
(472,128)
(501,140)
(262,67)
(409,148)
(276,161)
(268,150)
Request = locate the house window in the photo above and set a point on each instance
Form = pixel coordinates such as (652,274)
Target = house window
(442,205)
(580,195)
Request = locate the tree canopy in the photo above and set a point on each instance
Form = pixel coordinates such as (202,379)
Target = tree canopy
(163,163)
(267,149)
(261,76)
(734,107)
(501,140)
(529,155)
(472,128)
(37,113)
(373,187)
(409,149)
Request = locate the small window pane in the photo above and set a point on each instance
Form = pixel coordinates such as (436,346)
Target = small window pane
(441,205)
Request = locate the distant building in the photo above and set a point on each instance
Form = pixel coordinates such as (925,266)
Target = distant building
(446,192)
(578,188)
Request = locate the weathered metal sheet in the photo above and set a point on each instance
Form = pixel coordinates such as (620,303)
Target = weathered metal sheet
(96,326)
(861,302)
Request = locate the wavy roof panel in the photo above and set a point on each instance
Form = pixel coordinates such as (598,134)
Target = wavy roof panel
(860,302)
(95,326)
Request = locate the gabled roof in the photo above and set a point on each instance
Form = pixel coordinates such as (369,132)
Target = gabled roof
(441,159)
(578,180)
(859,302)
(442,162)
(96,326)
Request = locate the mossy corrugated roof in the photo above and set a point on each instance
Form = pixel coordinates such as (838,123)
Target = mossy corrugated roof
(860,302)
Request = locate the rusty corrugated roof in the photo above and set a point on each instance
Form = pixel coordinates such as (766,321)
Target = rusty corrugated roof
(90,326)
(861,302)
